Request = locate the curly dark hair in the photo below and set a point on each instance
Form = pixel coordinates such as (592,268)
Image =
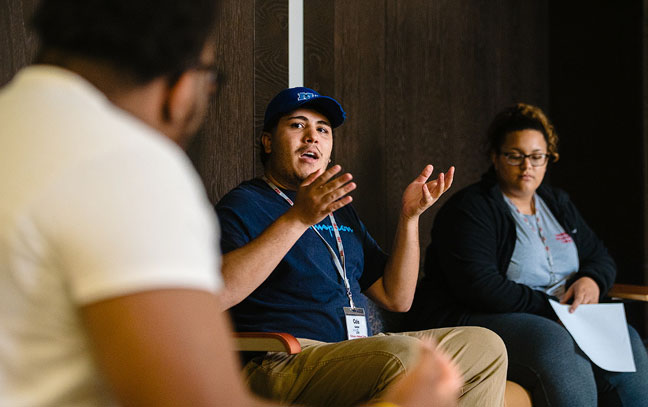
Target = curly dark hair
(146,38)
(521,116)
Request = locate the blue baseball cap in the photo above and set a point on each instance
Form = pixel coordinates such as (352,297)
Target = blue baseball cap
(293,98)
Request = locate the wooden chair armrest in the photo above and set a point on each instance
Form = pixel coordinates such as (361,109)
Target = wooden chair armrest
(516,395)
(266,342)
(629,292)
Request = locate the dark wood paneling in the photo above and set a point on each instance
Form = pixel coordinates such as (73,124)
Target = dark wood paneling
(420,81)
(344,58)
(319,46)
(360,85)
(17,40)
(270,61)
(451,66)
(359,68)
(643,312)
(596,105)
(223,152)
(645,139)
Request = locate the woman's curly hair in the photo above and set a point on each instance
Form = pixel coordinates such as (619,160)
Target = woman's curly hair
(521,116)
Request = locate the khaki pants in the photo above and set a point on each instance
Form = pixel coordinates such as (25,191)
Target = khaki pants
(351,372)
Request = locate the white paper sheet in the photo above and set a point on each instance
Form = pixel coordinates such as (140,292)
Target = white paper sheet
(601,331)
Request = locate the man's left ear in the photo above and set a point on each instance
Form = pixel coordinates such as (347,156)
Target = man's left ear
(266,140)
(179,99)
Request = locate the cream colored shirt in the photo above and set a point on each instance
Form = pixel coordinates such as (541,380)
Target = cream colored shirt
(94,204)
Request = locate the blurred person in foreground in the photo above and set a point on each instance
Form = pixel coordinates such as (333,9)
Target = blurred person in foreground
(501,248)
(109,273)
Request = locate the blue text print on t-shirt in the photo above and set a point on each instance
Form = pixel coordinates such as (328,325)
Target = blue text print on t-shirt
(329,228)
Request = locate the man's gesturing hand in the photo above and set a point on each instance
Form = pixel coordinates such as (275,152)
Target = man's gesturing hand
(320,195)
(420,195)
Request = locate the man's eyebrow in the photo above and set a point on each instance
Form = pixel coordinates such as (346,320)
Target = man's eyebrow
(304,118)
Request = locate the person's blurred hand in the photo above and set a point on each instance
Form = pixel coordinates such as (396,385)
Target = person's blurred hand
(435,381)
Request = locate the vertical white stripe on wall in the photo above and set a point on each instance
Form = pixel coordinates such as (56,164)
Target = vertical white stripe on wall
(295,43)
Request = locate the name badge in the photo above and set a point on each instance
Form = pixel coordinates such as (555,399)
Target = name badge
(356,322)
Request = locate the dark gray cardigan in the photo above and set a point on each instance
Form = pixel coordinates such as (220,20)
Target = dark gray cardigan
(473,238)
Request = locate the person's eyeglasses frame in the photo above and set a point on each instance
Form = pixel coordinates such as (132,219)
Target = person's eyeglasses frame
(214,75)
(211,70)
(522,157)
(214,78)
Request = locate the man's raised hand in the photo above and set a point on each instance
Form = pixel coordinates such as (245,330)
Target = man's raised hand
(420,194)
(320,194)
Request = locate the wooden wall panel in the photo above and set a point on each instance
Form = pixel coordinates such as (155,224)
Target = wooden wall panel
(223,152)
(270,61)
(360,86)
(17,41)
(452,65)
(344,58)
(253,48)
(420,81)
(596,104)
(319,46)
(644,75)
(644,26)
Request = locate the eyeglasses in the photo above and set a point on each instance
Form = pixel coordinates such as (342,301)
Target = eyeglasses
(536,159)
(213,75)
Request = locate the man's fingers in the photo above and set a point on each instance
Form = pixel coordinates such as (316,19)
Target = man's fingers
(339,204)
(339,192)
(436,187)
(327,175)
(320,191)
(425,174)
(449,177)
(323,183)
(427,195)
(312,177)
(335,184)
(440,186)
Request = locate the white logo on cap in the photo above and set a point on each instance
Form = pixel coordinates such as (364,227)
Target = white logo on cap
(305,95)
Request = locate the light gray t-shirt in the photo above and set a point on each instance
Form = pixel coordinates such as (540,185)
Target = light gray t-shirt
(545,256)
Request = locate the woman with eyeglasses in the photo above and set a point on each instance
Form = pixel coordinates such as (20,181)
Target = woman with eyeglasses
(505,245)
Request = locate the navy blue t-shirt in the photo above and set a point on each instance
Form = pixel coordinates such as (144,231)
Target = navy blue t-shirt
(305,294)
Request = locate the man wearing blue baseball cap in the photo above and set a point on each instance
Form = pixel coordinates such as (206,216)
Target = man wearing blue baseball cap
(298,259)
